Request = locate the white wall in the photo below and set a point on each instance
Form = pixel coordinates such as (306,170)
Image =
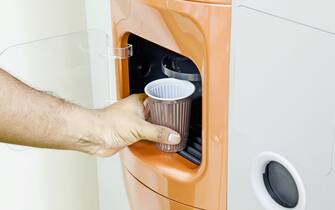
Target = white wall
(36,179)
(44,179)
(111,187)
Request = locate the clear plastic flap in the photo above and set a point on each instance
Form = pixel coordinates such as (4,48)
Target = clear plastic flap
(78,67)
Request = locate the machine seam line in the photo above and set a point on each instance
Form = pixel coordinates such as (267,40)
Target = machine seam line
(163,195)
(210,3)
(287,19)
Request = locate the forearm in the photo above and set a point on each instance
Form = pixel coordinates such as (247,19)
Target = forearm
(33,118)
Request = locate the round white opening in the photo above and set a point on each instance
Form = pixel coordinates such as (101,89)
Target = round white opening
(277,183)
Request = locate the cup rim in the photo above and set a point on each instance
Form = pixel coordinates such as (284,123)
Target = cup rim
(172,80)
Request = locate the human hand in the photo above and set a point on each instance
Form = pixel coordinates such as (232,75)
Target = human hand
(123,124)
(33,118)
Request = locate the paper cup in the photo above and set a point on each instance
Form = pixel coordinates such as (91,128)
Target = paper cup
(170,105)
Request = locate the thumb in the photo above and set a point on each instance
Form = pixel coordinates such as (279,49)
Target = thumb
(158,133)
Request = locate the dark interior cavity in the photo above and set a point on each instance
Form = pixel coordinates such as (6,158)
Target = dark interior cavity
(148,63)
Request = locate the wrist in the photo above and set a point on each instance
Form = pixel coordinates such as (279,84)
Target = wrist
(85,127)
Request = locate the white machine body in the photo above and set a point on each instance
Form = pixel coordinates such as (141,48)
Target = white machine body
(282,101)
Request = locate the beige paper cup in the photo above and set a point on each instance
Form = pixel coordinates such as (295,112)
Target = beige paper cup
(169,104)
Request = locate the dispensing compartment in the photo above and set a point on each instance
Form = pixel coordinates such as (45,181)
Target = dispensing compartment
(151,62)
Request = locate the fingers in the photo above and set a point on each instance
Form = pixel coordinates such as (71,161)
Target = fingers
(146,110)
(158,133)
(141,101)
(102,152)
(142,97)
(98,149)
(139,97)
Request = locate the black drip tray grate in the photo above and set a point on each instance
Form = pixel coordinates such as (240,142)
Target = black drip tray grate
(193,151)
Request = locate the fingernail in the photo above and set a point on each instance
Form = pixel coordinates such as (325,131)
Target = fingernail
(174,138)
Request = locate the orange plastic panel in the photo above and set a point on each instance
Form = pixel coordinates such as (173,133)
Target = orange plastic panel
(201,32)
(214,1)
(142,198)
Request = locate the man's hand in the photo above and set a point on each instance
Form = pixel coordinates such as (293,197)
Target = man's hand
(33,118)
(123,124)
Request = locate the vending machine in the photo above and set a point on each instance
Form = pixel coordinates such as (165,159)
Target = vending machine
(261,134)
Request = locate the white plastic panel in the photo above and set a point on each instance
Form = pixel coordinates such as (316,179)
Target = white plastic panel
(282,100)
(318,14)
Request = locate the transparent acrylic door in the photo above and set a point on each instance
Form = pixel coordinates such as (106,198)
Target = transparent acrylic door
(78,68)
(61,65)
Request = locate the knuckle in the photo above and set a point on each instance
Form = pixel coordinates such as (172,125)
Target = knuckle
(135,97)
(92,151)
(160,133)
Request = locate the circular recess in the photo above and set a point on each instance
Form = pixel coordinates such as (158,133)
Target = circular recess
(280,184)
(276,183)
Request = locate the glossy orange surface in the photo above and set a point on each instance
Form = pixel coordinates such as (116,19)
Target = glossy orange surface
(200,31)
(213,1)
(143,198)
